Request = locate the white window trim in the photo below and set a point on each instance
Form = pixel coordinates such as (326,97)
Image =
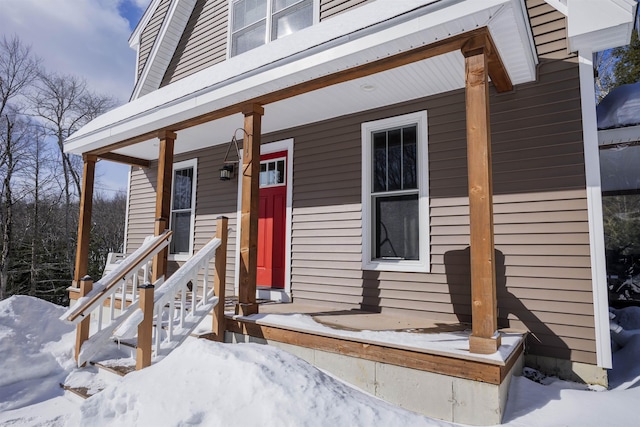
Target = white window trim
(316,19)
(423,264)
(126,213)
(191,163)
(282,295)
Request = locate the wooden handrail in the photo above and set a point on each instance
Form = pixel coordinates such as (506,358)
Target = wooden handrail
(139,258)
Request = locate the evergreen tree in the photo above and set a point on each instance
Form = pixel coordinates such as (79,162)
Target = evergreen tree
(627,68)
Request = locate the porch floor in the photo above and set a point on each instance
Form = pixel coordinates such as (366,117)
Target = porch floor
(360,320)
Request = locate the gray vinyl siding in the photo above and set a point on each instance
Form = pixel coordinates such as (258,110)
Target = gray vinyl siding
(142,202)
(541,223)
(540,213)
(203,42)
(214,198)
(150,33)
(329,8)
(540,208)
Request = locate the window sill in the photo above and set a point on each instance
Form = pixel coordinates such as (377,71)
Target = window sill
(403,266)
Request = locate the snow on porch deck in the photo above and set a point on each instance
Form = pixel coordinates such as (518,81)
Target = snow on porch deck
(415,334)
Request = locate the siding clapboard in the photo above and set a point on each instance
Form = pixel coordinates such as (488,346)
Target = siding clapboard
(329,8)
(150,34)
(203,42)
(540,215)
(214,198)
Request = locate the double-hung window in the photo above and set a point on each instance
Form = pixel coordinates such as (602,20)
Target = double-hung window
(256,22)
(395,200)
(183,204)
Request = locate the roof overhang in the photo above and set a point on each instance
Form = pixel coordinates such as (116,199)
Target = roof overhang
(599,25)
(383,29)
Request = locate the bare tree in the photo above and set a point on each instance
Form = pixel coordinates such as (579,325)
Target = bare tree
(17,70)
(64,104)
(13,139)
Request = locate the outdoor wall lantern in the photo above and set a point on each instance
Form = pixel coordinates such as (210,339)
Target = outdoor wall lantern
(228,166)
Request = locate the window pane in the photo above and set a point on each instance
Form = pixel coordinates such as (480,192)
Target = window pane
(278,5)
(379,162)
(249,39)
(272,173)
(247,12)
(181,226)
(396,227)
(621,215)
(182,186)
(292,20)
(394,171)
(409,158)
(280,169)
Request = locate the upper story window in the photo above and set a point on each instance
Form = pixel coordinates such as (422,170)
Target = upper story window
(395,199)
(256,22)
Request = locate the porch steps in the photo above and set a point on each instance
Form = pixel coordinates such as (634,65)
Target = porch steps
(96,376)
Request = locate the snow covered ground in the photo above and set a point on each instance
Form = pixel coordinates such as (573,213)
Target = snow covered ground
(211,384)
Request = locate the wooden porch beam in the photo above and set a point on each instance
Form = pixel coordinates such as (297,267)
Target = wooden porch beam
(484,338)
(250,204)
(497,72)
(84,219)
(127,160)
(482,42)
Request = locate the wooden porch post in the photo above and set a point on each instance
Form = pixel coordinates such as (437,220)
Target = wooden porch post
(250,205)
(485,338)
(159,264)
(80,278)
(219,278)
(82,329)
(163,200)
(84,219)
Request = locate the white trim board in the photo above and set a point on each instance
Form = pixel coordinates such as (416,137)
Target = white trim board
(272,294)
(594,205)
(186,164)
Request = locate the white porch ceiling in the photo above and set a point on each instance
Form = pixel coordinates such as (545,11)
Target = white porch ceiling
(199,93)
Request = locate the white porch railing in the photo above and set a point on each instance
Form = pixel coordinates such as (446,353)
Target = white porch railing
(179,304)
(161,318)
(121,282)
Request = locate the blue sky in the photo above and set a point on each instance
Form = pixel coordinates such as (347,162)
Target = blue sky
(88,38)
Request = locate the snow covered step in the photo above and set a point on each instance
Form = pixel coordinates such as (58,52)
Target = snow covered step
(89,381)
(117,367)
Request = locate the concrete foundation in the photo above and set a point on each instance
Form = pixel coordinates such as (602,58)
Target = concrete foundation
(435,395)
(568,370)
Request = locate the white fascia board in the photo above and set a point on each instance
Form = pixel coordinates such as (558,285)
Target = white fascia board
(226,84)
(619,135)
(594,209)
(599,24)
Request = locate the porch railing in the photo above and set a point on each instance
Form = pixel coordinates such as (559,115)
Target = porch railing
(120,282)
(160,319)
(117,280)
(180,304)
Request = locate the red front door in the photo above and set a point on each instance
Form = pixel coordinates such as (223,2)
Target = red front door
(271,220)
